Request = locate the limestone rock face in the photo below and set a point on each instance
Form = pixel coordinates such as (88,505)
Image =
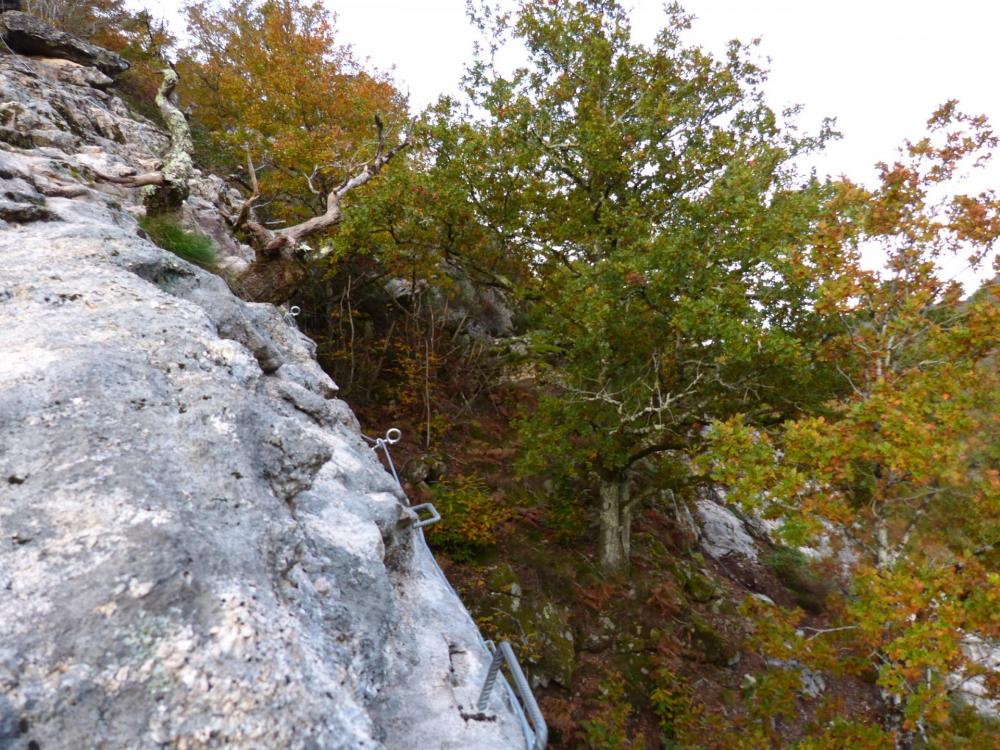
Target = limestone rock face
(31,36)
(197,548)
(722,532)
(54,108)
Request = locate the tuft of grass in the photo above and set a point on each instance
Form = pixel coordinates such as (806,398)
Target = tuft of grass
(166,231)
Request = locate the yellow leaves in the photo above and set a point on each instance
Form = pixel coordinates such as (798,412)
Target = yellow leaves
(471,517)
(273,76)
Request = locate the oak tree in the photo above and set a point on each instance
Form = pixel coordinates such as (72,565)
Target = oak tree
(270,78)
(658,205)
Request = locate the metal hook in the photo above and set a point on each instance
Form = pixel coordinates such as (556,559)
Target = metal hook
(292,314)
(432,519)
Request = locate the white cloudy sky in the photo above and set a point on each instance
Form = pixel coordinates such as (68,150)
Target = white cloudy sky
(879,66)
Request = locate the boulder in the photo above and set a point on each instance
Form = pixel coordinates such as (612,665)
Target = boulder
(422,471)
(476,310)
(74,73)
(712,644)
(29,35)
(550,652)
(700,588)
(813,682)
(722,532)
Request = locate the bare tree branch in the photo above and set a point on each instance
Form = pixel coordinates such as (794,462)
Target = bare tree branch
(246,210)
(280,266)
(284,241)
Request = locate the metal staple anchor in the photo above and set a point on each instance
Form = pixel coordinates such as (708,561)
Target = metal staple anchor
(505,653)
(292,314)
(533,726)
(429,507)
(392,436)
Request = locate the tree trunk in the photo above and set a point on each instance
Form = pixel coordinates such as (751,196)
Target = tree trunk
(178,164)
(167,188)
(272,280)
(884,557)
(615,539)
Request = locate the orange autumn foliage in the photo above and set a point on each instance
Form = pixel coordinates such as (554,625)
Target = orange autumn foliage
(271,76)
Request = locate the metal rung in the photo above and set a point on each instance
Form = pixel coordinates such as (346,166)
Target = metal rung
(533,725)
(504,653)
(429,507)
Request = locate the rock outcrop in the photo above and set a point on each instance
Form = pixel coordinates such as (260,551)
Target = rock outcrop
(28,35)
(722,532)
(197,548)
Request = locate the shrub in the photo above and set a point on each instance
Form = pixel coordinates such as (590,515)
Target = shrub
(678,714)
(607,729)
(793,569)
(470,518)
(166,231)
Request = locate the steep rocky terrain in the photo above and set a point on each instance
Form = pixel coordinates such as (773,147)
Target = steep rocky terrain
(197,547)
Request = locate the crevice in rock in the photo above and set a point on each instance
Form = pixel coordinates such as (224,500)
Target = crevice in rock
(25,213)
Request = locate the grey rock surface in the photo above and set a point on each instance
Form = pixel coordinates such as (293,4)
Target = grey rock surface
(722,532)
(973,689)
(813,682)
(52,104)
(28,35)
(481,312)
(197,548)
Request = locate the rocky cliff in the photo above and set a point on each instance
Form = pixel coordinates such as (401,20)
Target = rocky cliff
(197,547)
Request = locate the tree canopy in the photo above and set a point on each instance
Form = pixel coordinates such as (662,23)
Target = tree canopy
(903,469)
(659,208)
(271,77)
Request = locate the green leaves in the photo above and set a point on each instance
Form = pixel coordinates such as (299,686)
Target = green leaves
(650,194)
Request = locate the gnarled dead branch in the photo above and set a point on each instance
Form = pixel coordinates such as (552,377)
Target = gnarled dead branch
(171,181)
(280,265)
(246,210)
(285,240)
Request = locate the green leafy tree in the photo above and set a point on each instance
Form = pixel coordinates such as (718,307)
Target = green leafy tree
(658,208)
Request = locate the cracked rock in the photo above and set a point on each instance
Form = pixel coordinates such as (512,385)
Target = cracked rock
(197,548)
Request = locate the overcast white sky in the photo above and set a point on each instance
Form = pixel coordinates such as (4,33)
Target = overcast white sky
(879,66)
